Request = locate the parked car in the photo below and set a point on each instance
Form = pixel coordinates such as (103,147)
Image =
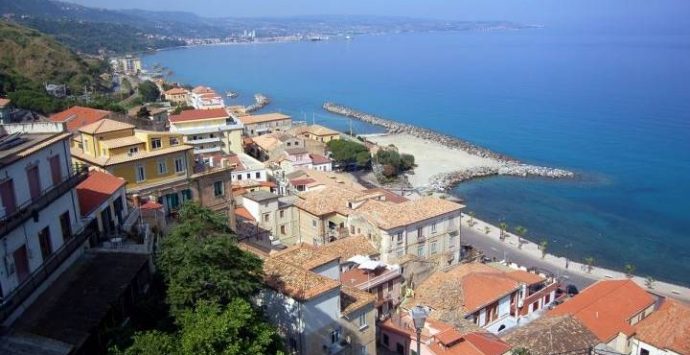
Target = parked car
(571,290)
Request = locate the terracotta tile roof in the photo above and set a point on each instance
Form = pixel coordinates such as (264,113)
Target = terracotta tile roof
(151,205)
(606,307)
(301,182)
(552,335)
(105,125)
(390,196)
(176,91)
(528,278)
(122,142)
(389,215)
(487,343)
(464,289)
(305,256)
(202,90)
(294,281)
(318,159)
(96,189)
(194,115)
(327,178)
(326,201)
(78,116)
(348,247)
(296,151)
(267,117)
(244,213)
(319,130)
(266,142)
(4,102)
(353,299)
(667,328)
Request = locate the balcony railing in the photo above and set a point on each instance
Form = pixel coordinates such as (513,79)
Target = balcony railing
(203,140)
(33,207)
(207,150)
(15,298)
(373,282)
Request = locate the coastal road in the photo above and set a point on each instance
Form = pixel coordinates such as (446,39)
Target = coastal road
(500,250)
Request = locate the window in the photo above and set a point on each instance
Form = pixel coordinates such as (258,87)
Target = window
(133,150)
(386,340)
(335,336)
(399,237)
(434,248)
(258,175)
(141,174)
(249,176)
(547,298)
(289,144)
(362,321)
(7,196)
(399,253)
(55,171)
(239,177)
(34,182)
(282,213)
(180,165)
(433,227)
(283,230)
(352,229)
(420,250)
(644,351)
(186,195)
(66,226)
(390,286)
(162,167)
(218,189)
(46,245)
(313,223)
(174,141)
(267,217)
(451,242)
(156,143)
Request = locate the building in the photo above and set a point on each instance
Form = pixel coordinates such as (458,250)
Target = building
(257,125)
(40,221)
(267,220)
(76,117)
(664,332)
(271,146)
(102,198)
(205,98)
(177,96)
(56,90)
(303,180)
(4,110)
(398,335)
(553,335)
(610,309)
(316,132)
(313,311)
(493,297)
(209,131)
(129,65)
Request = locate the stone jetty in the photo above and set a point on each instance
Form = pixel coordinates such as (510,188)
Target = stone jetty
(261,101)
(444,181)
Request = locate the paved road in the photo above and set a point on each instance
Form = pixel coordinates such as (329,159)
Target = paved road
(493,248)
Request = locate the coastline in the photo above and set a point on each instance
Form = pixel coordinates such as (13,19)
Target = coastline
(557,264)
(472,161)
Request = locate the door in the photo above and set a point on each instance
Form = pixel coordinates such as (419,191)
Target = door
(107,221)
(55,170)
(9,202)
(21,263)
(34,182)
(45,243)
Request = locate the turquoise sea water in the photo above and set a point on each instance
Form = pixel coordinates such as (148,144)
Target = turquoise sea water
(614,108)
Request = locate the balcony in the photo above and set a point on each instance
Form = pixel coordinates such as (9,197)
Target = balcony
(207,150)
(15,298)
(208,129)
(203,140)
(31,208)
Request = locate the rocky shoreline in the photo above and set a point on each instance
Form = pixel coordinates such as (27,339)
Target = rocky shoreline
(444,181)
(261,101)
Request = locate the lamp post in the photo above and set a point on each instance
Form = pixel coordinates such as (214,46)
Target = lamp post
(419,315)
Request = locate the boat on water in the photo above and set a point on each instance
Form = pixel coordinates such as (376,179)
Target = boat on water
(232,94)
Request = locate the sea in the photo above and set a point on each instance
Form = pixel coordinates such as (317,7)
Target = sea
(613,107)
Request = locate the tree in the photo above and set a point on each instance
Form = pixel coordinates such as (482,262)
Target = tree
(363,159)
(181,108)
(208,329)
(589,261)
(520,231)
(470,221)
(149,91)
(389,171)
(649,282)
(504,228)
(406,161)
(487,229)
(215,268)
(542,246)
(346,152)
(143,112)
(521,351)
(629,270)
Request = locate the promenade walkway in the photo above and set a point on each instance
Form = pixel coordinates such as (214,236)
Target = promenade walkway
(531,256)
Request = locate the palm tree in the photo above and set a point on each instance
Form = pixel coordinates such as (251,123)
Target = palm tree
(542,246)
(629,270)
(520,231)
(504,228)
(470,222)
(649,282)
(487,229)
(589,261)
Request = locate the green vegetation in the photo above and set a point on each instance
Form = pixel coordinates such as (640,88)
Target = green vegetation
(346,152)
(393,162)
(520,231)
(649,282)
(181,108)
(630,270)
(589,261)
(149,92)
(543,247)
(208,282)
(504,228)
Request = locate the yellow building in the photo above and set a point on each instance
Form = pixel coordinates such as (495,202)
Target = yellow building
(209,131)
(317,133)
(177,96)
(154,164)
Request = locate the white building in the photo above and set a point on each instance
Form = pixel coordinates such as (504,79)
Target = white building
(40,226)
(665,332)
(209,131)
(205,98)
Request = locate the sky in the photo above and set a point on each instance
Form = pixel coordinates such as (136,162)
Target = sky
(647,12)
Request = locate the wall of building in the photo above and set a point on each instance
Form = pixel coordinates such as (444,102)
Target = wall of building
(330,270)
(362,338)
(637,346)
(128,171)
(321,315)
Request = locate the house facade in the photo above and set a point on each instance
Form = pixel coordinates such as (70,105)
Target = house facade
(177,96)
(208,130)
(40,221)
(256,125)
(205,98)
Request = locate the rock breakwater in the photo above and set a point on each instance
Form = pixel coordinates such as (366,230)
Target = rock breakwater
(443,181)
(261,101)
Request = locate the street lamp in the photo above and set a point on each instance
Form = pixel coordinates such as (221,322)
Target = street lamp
(419,315)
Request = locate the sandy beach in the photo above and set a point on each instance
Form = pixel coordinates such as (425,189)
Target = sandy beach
(433,158)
